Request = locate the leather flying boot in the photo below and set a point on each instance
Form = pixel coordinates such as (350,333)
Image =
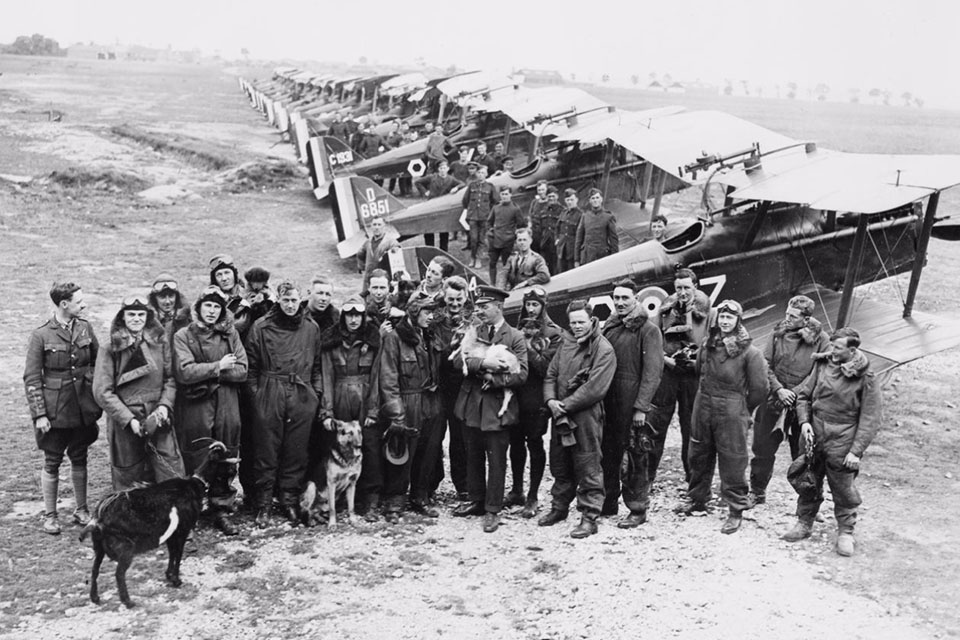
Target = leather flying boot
(754,498)
(514,498)
(223,522)
(691,507)
(845,544)
(262,519)
(292,514)
(424,509)
(633,520)
(733,522)
(586,528)
(469,509)
(553,517)
(530,508)
(800,530)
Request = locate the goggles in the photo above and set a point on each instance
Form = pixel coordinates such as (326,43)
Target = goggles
(730,306)
(222,261)
(165,285)
(353,307)
(135,302)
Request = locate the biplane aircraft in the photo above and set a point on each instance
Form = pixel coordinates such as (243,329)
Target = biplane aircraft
(796,219)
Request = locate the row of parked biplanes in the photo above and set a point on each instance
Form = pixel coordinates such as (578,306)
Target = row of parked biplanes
(791,217)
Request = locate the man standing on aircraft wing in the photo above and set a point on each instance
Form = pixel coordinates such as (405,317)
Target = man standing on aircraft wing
(481,157)
(839,409)
(438,146)
(548,224)
(683,322)
(789,354)
(504,220)
(459,169)
(631,448)
(478,199)
(525,268)
(378,243)
(567,231)
(537,206)
(438,184)
(597,235)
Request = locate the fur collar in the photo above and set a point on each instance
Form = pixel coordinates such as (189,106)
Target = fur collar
(368,337)
(406,332)
(632,321)
(121,338)
(734,344)
(701,305)
(856,367)
(224,325)
(282,320)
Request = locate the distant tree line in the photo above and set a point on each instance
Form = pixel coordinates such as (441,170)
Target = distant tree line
(35,45)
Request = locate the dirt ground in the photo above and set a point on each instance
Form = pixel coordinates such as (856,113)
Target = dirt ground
(672,577)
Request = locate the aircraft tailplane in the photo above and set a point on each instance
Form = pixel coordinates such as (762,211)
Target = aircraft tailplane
(355,200)
(325,154)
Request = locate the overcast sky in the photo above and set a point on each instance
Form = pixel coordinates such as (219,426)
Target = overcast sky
(892,44)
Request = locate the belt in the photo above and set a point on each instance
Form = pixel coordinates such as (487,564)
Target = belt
(65,374)
(356,378)
(290,378)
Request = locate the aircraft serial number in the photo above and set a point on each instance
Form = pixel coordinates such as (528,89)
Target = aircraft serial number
(341,157)
(375,208)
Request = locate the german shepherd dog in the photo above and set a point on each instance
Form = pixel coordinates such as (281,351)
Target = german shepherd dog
(335,474)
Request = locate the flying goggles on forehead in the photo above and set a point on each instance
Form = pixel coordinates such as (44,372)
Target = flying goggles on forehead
(167,285)
(135,302)
(730,306)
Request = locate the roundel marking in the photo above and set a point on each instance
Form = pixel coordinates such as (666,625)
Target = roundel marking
(416,168)
(650,298)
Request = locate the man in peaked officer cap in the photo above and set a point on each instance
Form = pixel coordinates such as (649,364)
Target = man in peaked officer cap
(486,432)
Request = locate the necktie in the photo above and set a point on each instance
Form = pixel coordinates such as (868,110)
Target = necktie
(490,331)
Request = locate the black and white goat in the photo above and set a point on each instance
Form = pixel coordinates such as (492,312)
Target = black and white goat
(128,523)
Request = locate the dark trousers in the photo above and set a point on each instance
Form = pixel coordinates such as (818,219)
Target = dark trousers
(719,436)
(639,466)
(549,252)
(846,498)
(426,455)
(475,237)
(563,265)
(370,483)
(766,441)
(281,439)
(577,472)
(396,479)
(456,448)
(497,254)
(524,437)
(677,391)
(486,466)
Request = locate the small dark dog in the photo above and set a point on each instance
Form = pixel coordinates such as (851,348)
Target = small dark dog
(128,523)
(336,473)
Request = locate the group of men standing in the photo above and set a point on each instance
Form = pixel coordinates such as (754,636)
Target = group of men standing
(267,371)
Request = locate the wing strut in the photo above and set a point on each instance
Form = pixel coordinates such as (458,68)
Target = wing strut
(607,164)
(921,256)
(853,265)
